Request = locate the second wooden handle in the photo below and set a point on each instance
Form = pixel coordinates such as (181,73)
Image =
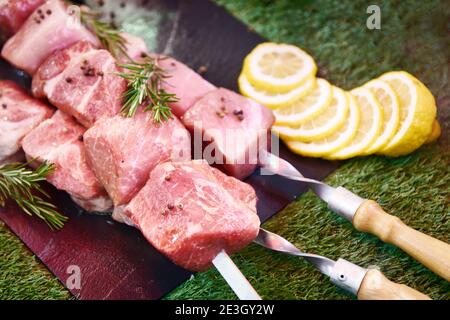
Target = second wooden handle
(376,286)
(431,252)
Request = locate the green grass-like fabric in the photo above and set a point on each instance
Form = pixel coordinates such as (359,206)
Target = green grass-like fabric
(22,276)
(413,37)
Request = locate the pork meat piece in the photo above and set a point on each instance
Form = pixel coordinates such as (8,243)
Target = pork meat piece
(13,14)
(236,126)
(135,47)
(52,26)
(123,151)
(81,80)
(59,140)
(239,190)
(19,114)
(185,83)
(190,212)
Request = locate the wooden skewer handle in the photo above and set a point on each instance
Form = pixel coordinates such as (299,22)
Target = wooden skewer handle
(431,252)
(375,286)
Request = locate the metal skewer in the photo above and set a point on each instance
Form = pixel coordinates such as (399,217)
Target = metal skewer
(234,277)
(365,284)
(368,216)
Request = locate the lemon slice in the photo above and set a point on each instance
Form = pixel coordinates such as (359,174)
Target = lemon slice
(388,102)
(342,137)
(369,126)
(275,100)
(324,124)
(307,107)
(417,113)
(278,67)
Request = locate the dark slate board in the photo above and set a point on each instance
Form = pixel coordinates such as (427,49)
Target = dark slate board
(116,262)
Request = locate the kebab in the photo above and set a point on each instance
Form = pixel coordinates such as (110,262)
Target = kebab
(239,114)
(60,138)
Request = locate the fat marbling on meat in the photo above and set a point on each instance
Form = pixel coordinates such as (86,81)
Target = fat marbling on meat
(19,114)
(190,212)
(51,27)
(233,128)
(59,140)
(124,150)
(82,81)
(13,14)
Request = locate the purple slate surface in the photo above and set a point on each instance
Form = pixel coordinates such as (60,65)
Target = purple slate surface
(115,260)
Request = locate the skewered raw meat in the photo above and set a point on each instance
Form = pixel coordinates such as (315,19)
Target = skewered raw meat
(190,212)
(19,114)
(50,27)
(123,151)
(188,85)
(135,47)
(13,14)
(238,127)
(81,80)
(58,140)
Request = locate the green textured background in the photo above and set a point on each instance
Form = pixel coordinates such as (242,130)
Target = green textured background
(414,36)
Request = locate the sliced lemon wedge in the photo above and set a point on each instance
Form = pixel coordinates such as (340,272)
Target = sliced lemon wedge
(278,67)
(388,101)
(271,99)
(323,125)
(417,113)
(340,138)
(307,107)
(369,126)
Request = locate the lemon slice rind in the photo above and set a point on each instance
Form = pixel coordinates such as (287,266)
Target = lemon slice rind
(416,126)
(276,58)
(341,138)
(274,100)
(310,106)
(372,115)
(388,101)
(308,132)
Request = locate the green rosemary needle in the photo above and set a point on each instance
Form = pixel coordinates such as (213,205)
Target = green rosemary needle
(145,79)
(21,184)
(110,38)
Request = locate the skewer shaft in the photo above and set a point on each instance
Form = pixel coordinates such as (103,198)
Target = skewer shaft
(234,277)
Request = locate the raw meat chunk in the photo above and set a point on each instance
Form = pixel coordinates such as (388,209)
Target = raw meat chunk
(236,126)
(190,212)
(123,151)
(185,83)
(51,27)
(13,14)
(81,80)
(19,114)
(59,140)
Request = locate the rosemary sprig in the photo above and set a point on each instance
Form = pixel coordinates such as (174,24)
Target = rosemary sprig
(110,37)
(21,184)
(144,78)
(145,81)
